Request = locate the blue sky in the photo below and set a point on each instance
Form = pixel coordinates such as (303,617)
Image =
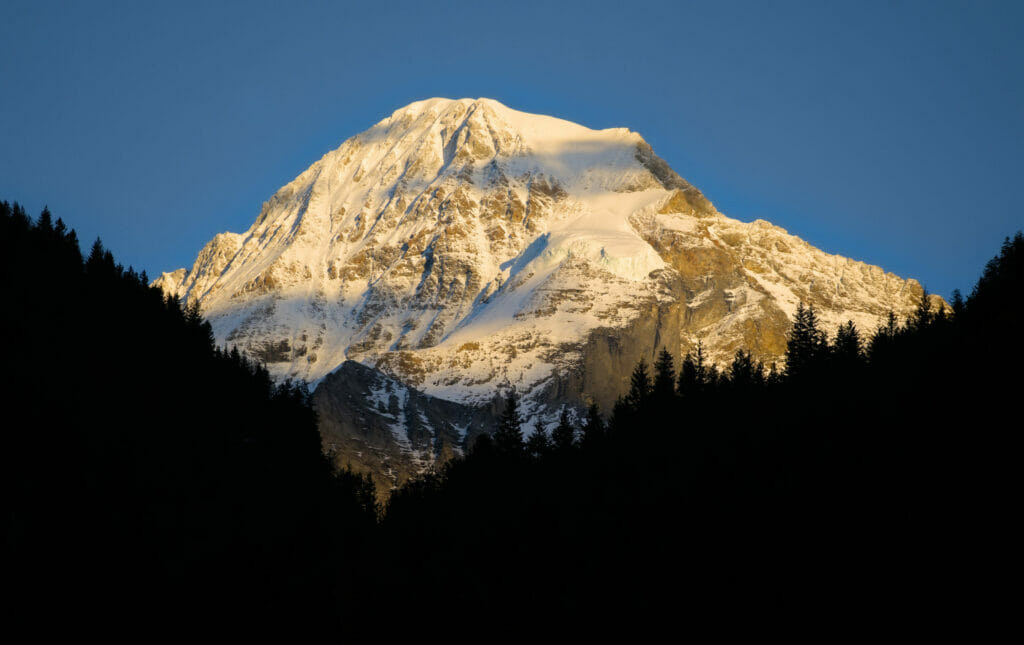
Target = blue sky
(890,132)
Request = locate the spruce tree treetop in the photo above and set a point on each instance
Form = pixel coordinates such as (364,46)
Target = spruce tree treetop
(923,315)
(664,377)
(892,325)
(45,221)
(593,429)
(96,253)
(693,373)
(807,343)
(538,444)
(564,436)
(848,347)
(884,337)
(744,373)
(508,438)
(640,386)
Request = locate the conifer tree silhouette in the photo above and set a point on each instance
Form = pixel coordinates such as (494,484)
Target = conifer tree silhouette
(693,373)
(45,224)
(95,261)
(564,435)
(593,429)
(508,438)
(923,315)
(539,444)
(664,386)
(744,373)
(640,387)
(848,347)
(884,338)
(807,344)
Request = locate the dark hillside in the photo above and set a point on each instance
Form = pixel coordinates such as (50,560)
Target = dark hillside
(154,479)
(150,476)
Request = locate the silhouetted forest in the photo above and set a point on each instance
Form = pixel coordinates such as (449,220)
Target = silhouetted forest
(869,479)
(151,477)
(154,477)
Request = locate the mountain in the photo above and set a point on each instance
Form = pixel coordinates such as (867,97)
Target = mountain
(463,248)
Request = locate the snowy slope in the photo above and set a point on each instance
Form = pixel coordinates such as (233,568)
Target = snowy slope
(464,247)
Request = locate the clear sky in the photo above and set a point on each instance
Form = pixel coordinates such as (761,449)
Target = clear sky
(890,132)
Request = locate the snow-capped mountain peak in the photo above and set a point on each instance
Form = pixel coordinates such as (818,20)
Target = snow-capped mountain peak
(464,247)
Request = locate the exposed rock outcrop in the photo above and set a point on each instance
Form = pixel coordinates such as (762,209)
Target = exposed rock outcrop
(371,423)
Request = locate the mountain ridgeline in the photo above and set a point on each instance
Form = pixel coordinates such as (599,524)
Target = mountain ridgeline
(466,249)
(874,477)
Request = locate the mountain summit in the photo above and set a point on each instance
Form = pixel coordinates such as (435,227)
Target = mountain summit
(463,248)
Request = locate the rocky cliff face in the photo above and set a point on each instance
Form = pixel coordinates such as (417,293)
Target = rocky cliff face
(463,248)
(372,423)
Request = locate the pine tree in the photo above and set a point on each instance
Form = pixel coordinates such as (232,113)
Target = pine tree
(760,372)
(923,316)
(744,373)
(640,387)
(95,261)
(193,314)
(892,326)
(508,438)
(713,378)
(21,216)
(564,436)
(995,301)
(593,429)
(538,444)
(693,373)
(45,224)
(884,337)
(621,419)
(848,348)
(806,345)
(664,388)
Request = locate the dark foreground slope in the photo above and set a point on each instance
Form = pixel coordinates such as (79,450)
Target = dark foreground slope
(149,477)
(153,481)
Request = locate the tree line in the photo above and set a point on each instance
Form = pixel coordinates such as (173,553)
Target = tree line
(155,478)
(152,478)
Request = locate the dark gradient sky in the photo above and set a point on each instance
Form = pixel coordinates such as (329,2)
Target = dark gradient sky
(890,132)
